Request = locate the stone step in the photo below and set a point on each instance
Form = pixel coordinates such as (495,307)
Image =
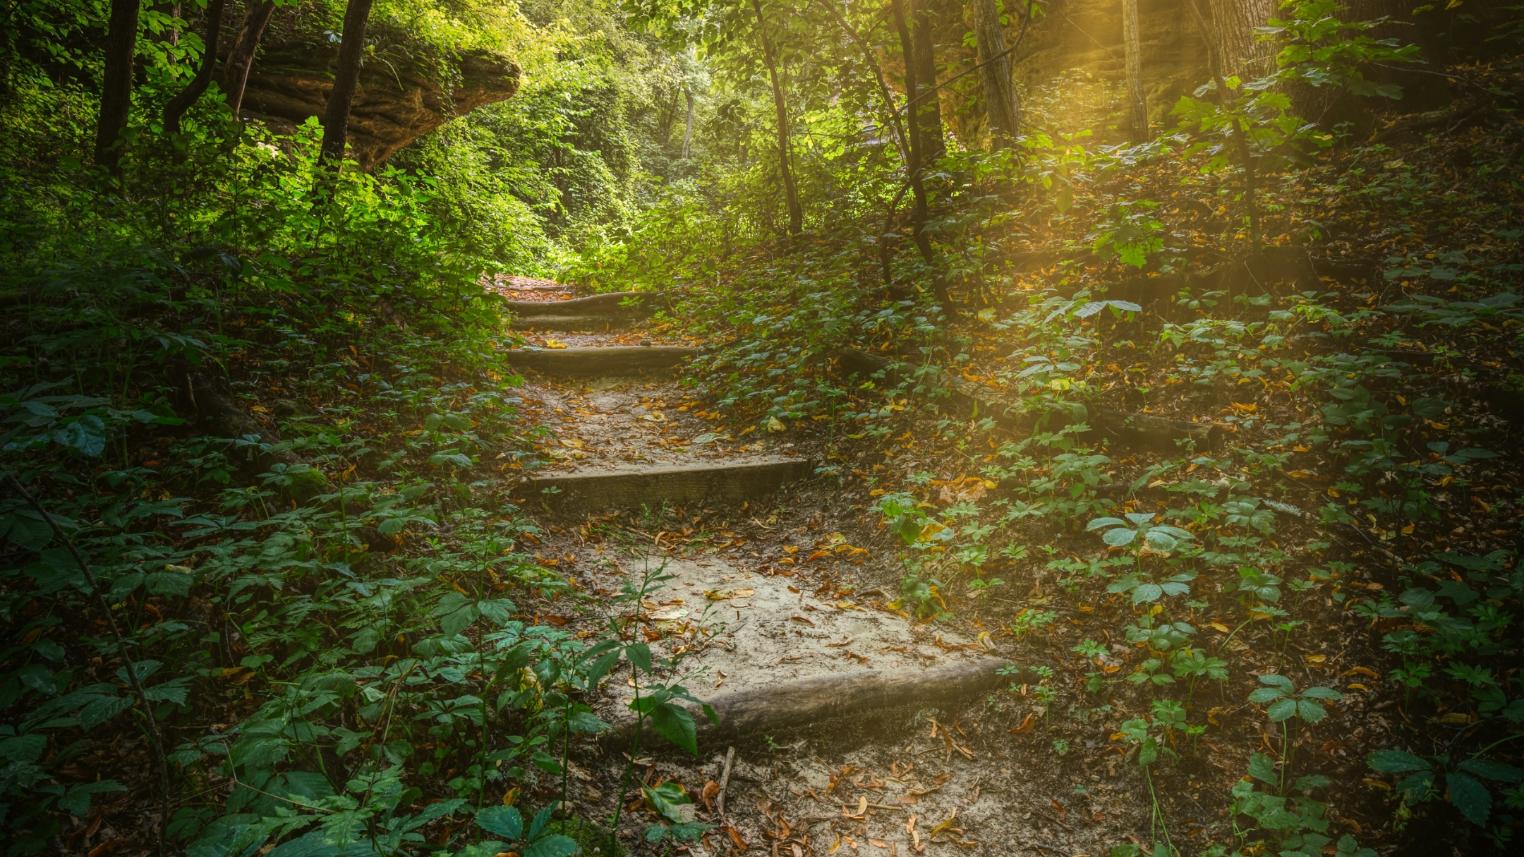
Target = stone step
(574,322)
(632,486)
(606,361)
(610,304)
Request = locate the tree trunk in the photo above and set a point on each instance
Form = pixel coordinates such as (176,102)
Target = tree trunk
(1137,105)
(346,77)
(1239,133)
(927,101)
(688,124)
(1001,106)
(780,103)
(116,83)
(235,75)
(920,150)
(193,91)
(1240,50)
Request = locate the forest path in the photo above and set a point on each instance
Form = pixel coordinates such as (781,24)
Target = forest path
(738,622)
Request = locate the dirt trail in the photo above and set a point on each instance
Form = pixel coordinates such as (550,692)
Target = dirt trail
(739,613)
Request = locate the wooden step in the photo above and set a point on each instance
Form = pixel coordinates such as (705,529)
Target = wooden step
(632,486)
(612,303)
(607,361)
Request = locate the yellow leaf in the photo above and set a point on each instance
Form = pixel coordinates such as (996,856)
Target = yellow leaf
(554,343)
(931,531)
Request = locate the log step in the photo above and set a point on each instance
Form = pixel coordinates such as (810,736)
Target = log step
(606,361)
(612,303)
(632,486)
(831,705)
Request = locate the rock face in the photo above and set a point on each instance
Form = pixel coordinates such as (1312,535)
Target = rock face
(396,102)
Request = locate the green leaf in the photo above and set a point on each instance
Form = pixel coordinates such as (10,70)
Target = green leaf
(674,723)
(313,844)
(601,667)
(22,748)
(1327,693)
(1310,711)
(1282,709)
(1396,762)
(670,801)
(504,821)
(1470,796)
(25,529)
(1266,695)
(1120,537)
(455,612)
(554,845)
(1262,769)
(86,435)
(538,823)
(1491,770)
(639,655)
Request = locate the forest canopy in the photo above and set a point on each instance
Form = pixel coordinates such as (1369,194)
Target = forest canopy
(615,427)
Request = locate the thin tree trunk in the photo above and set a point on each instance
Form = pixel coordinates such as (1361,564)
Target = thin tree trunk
(790,189)
(235,75)
(688,124)
(193,91)
(116,83)
(1137,105)
(1239,134)
(1001,106)
(920,142)
(1240,51)
(345,79)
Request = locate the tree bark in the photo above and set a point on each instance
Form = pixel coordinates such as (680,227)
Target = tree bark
(1001,106)
(193,91)
(235,75)
(921,150)
(1137,105)
(1239,133)
(688,124)
(780,104)
(1240,50)
(346,77)
(927,101)
(116,84)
